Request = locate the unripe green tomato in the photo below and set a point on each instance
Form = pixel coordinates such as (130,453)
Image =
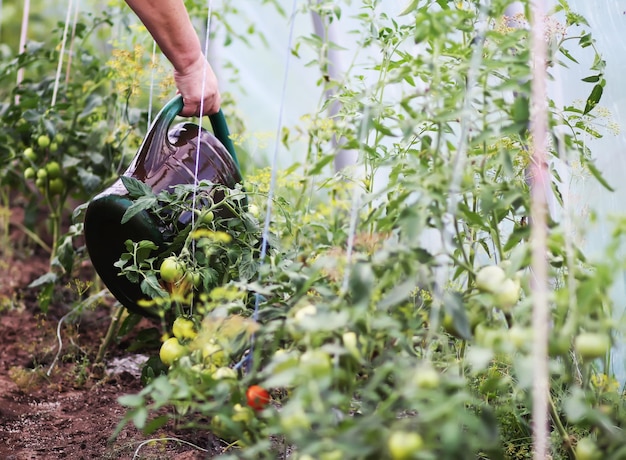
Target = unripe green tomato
(403,444)
(242,414)
(53,169)
(224,372)
(317,362)
(586,449)
(56,186)
(520,337)
(507,295)
(214,354)
(40,182)
(30,154)
(43,141)
(426,378)
(490,278)
(194,277)
(207,217)
(171,270)
(59,138)
(184,329)
(29,173)
(172,350)
(42,174)
(592,345)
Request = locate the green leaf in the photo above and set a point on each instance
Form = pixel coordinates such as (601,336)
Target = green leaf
(362,282)
(155,424)
(135,187)
(592,78)
(131,400)
(129,323)
(598,175)
(140,416)
(453,306)
(410,7)
(594,98)
(47,278)
(140,204)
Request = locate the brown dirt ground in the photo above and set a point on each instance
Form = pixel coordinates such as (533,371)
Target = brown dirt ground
(73,412)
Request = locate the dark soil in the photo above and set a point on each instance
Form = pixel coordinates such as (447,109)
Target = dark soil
(72,412)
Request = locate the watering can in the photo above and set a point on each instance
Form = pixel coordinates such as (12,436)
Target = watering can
(167,157)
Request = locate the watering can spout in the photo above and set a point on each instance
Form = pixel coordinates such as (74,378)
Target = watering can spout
(167,157)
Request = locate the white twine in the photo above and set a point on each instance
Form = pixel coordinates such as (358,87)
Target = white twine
(197,160)
(152,66)
(270,195)
(71,48)
(61,53)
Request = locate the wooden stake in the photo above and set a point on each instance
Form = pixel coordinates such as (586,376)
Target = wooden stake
(540,186)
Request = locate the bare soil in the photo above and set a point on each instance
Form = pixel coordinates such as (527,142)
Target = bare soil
(69,409)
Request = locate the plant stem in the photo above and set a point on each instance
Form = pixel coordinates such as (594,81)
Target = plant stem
(113,327)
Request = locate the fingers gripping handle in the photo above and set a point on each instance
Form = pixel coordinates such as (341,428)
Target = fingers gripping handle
(220,129)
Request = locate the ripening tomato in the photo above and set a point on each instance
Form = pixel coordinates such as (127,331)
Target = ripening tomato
(257,397)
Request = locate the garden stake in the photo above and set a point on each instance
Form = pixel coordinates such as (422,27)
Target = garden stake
(23,31)
(538,231)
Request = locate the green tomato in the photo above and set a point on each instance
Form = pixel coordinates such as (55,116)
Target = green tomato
(426,378)
(586,449)
(43,141)
(58,138)
(490,278)
(242,414)
(207,217)
(317,362)
(30,154)
(171,270)
(507,295)
(184,329)
(29,173)
(592,345)
(54,169)
(54,147)
(222,373)
(403,444)
(42,174)
(212,353)
(520,337)
(56,186)
(172,350)
(194,277)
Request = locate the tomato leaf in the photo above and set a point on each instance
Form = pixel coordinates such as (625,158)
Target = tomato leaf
(135,187)
(594,98)
(142,203)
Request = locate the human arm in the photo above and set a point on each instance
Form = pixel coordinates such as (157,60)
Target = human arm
(169,24)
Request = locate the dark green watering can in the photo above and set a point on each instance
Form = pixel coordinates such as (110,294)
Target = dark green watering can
(167,157)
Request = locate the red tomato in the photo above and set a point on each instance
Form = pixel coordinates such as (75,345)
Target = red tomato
(258,397)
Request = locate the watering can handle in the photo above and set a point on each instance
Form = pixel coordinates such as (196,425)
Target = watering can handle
(218,123)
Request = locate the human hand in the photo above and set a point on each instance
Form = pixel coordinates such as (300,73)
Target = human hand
(189,83)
